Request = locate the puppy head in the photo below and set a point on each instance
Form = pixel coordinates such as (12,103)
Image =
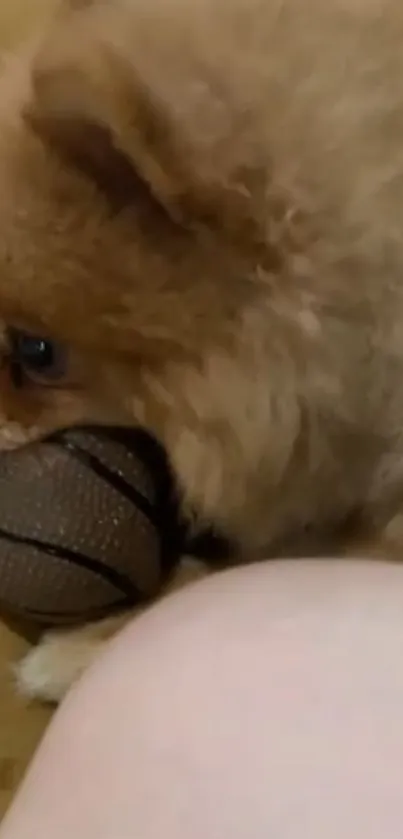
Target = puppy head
(129,219)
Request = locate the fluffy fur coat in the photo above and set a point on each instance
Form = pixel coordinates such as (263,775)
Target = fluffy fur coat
(201,207)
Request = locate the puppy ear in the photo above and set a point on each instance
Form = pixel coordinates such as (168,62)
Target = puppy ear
(77,108)
(117,103)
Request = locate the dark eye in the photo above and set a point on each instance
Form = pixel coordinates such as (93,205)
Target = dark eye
(36,358)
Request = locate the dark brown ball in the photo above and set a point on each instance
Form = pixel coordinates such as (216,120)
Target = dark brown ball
(87,525)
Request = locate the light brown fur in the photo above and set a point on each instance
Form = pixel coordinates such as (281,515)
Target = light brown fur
(203,200)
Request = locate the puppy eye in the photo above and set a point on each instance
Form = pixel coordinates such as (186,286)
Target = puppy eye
(36,358)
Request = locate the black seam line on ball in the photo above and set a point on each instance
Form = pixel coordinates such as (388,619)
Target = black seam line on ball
(174,530)
(146,449)
(118,580)
(91,461)
(153,458)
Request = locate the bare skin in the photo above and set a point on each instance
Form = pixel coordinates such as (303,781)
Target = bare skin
(264,702)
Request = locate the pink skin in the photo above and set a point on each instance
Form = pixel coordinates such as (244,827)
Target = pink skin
(265,703)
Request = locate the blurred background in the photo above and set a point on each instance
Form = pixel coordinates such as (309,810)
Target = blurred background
(18,17)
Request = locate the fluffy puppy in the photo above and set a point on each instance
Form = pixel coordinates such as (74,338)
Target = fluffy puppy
(201,231)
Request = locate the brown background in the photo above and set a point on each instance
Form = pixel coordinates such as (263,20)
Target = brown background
(21,725)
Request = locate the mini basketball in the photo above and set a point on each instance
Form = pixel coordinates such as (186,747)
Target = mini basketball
(88,525)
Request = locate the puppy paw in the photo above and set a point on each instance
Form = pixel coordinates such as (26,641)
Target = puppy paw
(51,668)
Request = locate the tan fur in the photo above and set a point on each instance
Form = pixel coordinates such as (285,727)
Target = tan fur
(204,201)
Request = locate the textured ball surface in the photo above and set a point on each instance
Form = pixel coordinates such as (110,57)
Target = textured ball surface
(86,525)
